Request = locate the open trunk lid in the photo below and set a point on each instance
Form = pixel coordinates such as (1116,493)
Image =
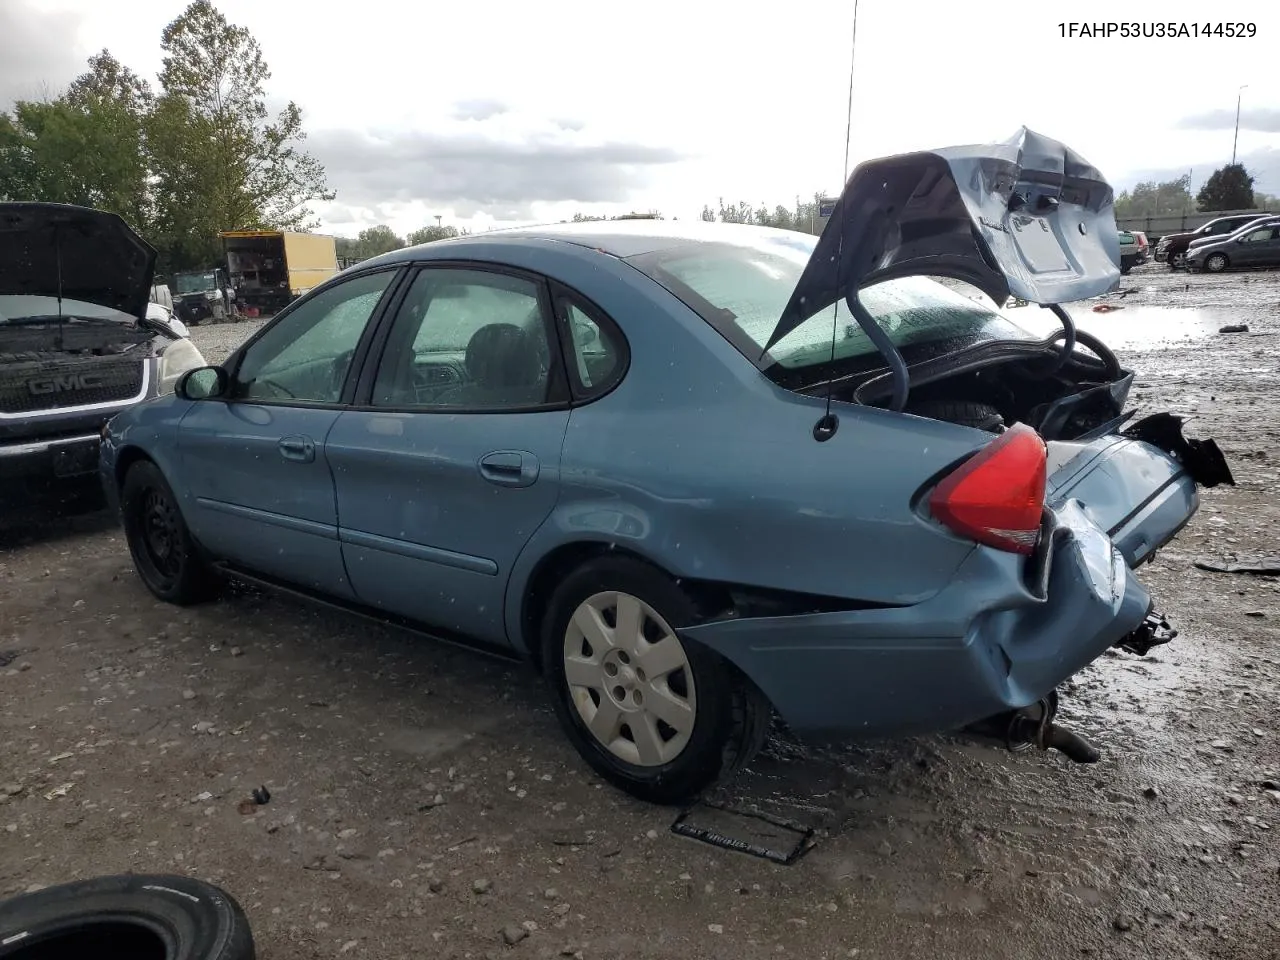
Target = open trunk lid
(1028,217)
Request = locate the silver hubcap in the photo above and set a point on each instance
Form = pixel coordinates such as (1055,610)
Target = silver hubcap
(629,679)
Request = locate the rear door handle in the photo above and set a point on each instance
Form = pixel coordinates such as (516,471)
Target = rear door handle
(299,449)
(509,468)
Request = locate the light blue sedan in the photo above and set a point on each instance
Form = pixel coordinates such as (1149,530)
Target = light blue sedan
(701,474)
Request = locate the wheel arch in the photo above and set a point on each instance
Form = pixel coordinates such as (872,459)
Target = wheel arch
(559,562)
(127,456)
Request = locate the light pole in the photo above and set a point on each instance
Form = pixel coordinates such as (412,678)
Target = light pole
(1236,138)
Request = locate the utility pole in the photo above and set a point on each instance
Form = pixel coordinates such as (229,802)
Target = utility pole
(1236,138)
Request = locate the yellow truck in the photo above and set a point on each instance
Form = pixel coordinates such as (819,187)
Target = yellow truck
(271,268)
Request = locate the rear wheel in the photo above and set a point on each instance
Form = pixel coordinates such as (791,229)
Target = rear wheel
(1216,262)
(163,550)
(656,716)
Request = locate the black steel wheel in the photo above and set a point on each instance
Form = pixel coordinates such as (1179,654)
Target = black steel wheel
(164,553)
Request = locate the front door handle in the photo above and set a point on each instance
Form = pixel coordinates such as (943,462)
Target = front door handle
(509,468)
(298,449)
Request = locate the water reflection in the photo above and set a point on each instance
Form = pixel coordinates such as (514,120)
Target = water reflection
(1141,327)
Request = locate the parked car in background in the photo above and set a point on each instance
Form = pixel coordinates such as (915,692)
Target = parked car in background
(1255,245)
(1144,247)
(1172,248)
(203,295)
(1130,251)
(79,342)
(161,294)
(614,449)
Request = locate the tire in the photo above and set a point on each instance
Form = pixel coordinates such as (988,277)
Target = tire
(966,413)
(728,719)
(1216,262)
(126,918)
(1176,260)
(164,552)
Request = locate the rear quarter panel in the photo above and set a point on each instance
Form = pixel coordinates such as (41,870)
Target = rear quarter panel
(700,464)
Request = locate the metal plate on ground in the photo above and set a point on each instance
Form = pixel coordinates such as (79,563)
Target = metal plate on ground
(749,832)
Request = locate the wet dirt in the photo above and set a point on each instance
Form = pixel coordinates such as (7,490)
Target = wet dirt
(424,803)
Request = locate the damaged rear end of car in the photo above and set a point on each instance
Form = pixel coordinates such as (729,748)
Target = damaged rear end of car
(1065,497)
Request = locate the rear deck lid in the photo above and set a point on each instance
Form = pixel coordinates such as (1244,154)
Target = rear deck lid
(78,253)
(1028,217)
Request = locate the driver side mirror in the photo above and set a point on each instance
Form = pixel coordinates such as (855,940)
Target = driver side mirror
(202,383)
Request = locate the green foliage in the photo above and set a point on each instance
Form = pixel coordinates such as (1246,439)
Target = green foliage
(86,147)
(633,215)
(803,217)
(382,239)
(373,241)
(1151,199)
(1228,188)
(200,156)
(429,234)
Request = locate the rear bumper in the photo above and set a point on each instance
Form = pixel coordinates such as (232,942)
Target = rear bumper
(988,643)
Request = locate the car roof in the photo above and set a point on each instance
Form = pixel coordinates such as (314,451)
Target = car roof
(619,238)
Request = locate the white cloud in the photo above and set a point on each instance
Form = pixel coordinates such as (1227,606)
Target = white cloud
(685,101)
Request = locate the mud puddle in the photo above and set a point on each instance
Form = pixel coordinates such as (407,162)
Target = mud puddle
(1144,327)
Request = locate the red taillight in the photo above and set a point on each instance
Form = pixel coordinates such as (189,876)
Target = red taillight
(997,496)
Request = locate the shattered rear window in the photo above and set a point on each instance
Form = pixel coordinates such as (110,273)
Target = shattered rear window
(742,290)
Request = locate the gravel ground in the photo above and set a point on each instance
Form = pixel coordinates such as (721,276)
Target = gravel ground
(424,803)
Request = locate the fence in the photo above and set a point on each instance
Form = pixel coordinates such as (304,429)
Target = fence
(1156,227)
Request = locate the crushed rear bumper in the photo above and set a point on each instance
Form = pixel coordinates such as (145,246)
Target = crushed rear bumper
(1001,636)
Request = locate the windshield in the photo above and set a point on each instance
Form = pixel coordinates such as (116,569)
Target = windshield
(195,282)
(742,290)
(14,308)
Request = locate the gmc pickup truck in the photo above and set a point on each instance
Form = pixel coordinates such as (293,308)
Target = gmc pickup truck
(79,342)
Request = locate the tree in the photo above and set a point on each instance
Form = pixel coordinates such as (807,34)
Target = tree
(1151,199)
(633,215)
(1228,188)
(86,147)
(803,218)
(373,241)
(220,162)
(429,234)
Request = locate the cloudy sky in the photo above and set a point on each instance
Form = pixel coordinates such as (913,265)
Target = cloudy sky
(513,110)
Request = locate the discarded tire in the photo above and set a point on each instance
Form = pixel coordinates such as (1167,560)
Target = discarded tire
(133,917)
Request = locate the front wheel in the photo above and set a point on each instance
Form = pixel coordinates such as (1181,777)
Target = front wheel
(1216,263)
(163,550)
(657,717)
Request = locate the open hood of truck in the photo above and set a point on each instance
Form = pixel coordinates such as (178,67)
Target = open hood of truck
(1028,217)
(52,249)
